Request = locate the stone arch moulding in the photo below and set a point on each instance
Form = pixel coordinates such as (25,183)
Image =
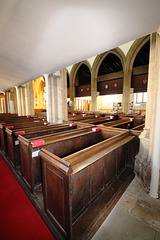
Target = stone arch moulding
(99,59)
(75,69)
(133,51)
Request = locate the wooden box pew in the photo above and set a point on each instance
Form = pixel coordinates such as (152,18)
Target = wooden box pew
(81,118)
(137,130)
(138,119)
(76,175)
(99,120)
(17,125)
(32,132)
(29,153)
(10,118)
(125,123)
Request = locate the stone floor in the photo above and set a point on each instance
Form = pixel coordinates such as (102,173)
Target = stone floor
(136,216)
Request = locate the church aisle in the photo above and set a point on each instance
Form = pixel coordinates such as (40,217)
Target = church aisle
(18,218)
(135,217)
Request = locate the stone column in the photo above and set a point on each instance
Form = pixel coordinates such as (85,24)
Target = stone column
(29,99)
(62,96)
(72,93)
(56,96)
(93,93)
(126,90)
(155,147)
(48,96)
(23,98)
(18,101)
(1,105)
(7,102)
(143,159)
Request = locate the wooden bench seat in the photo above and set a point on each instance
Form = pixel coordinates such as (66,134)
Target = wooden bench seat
(74,178)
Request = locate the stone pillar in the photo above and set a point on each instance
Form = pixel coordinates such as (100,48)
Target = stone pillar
(18,95)
(56,96)
(143,159)
(23,102)
(155,147)
(93,93)
(126,90)
(7,102)
(72,93)
(48,96)
(1,111)
(15,101)
(62,96)
(29,99)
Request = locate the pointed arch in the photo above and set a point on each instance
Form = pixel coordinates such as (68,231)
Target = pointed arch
(99,59)
(133,51)
(75,69)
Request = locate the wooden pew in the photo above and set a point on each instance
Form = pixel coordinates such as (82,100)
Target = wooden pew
(99,120)
(13,143)
(83,117)
(30,148)
(126,123)
(76,176)
(17,125)
(136,131)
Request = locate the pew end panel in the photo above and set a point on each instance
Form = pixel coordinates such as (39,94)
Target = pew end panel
(57,199)
(93,169)
(27,166)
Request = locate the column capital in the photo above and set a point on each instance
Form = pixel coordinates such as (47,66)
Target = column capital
(56,74)
(45,76)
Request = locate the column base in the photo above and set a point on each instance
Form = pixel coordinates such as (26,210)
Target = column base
(143,171)
(153,195)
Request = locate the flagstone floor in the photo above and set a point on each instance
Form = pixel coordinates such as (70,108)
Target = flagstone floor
(136,216)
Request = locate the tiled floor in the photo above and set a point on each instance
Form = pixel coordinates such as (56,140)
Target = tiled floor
(136,216)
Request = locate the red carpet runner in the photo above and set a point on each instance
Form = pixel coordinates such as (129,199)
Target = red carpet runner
(18,218)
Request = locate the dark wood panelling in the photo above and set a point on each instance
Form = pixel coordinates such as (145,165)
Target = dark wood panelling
(114,86)
(139,83)
(56,193)
(83,91)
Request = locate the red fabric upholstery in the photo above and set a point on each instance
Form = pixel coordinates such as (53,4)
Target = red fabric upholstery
(111,117)
(95,129)
(37,143)
(2,123)
(73,124)
(132,119)
(19,133)
(47,123)
(9,127)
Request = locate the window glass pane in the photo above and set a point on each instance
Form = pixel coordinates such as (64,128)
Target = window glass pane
(139,97)
(145,97)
